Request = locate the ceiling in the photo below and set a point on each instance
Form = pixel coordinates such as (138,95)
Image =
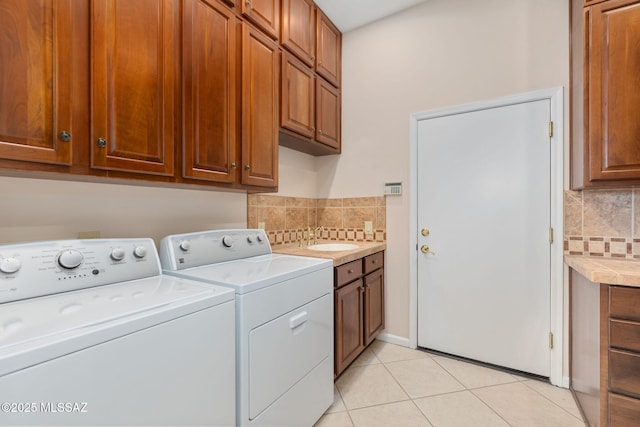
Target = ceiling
(350,14)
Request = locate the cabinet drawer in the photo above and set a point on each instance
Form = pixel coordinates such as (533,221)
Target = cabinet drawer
(623,411)
(624,302)
(623,334)
(348,272)
(373,262)
(624,372)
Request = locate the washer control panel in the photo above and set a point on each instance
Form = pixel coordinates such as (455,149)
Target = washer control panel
(180,251)
(41,268)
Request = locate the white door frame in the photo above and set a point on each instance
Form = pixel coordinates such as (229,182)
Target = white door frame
(555,95)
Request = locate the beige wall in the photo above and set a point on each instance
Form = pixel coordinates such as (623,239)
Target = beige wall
(437,54)
(42,209)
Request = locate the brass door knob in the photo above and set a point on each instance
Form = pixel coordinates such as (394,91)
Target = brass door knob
(425,232)
(425,250)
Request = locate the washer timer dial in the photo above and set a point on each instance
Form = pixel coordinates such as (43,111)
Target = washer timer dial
(70,259)
(10,265)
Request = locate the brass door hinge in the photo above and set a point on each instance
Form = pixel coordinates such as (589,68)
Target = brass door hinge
(550,234)
(550,339)
(550,129)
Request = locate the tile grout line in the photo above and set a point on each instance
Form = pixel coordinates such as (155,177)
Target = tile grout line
(550,400)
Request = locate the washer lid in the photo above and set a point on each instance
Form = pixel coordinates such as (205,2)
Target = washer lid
(249,274)
(58,324)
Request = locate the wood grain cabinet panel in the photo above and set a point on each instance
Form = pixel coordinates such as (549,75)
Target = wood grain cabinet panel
(624,335)
(209,81)
(265,14)
(606,129)
(624,373)
(349,317)
(299,29)
(134,71)
(359,307)
(328,114)
(328,49)
(373,305)
(624,411)
(297,112)
(38,53)
(260,102)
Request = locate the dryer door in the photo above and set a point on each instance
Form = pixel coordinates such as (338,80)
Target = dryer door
(286,349)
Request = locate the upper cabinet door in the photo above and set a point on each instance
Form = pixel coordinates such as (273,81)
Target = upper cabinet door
(614,91)
(263,13)
(134,69)
(298,97)
(299,29)
(260,100)
(209,76)
(328,114)
(37,57)
(329,50)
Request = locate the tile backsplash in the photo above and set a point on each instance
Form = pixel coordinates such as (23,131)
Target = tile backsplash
(287,219)
(603,223)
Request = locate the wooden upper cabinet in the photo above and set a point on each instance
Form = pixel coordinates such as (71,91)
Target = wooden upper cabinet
(37,69)
(328,49)
(605,98)
(298,96)
(328,114)
(260,102)
(209,77)
(299,29)
(263,13)
(134,81)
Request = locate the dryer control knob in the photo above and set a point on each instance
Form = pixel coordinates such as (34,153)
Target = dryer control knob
(140,252)
(259,237)
(227,241)
(10,265)
(70,259)
(249,239)
(184,246)
(117,254)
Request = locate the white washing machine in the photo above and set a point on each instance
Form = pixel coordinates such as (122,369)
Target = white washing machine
(91,333)
(284,321)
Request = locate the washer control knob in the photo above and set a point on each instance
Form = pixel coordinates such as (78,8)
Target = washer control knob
(227,241)
(249,239)
(140,252)
(259,237)
(70,259)
(117,254)
(10,265)
(185,245)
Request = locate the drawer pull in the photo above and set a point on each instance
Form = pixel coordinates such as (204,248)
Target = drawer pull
(350,271)
(298,320)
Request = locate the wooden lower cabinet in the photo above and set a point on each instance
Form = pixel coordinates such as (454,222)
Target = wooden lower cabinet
(605,352)
(349,318)
(359,307)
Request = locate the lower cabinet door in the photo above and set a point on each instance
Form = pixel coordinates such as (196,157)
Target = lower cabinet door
(623,411)
(373,305)
(348,324)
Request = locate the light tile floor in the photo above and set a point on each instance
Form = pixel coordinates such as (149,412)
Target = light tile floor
(390,385)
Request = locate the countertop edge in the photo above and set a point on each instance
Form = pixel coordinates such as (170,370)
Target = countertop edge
(338,257)
(604,270)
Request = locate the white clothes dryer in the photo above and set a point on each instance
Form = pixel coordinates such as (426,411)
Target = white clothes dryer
(284,321)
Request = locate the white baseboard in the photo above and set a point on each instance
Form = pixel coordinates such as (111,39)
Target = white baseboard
(394,339)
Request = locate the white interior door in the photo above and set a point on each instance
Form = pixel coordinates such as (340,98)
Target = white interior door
(484,196)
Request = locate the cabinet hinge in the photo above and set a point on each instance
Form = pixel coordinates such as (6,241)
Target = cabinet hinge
(550,129)
(550,339)
(550,234)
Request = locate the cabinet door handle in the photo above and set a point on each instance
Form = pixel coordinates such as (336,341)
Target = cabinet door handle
(248,3)
(247,167)
(233,165)
(101,142)
(349,271)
